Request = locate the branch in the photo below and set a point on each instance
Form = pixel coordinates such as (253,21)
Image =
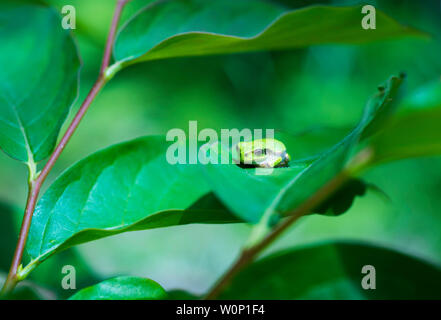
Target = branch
(35,185)
(249,255)
(358,163)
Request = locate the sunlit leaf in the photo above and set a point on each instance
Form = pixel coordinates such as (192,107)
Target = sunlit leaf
(127,187)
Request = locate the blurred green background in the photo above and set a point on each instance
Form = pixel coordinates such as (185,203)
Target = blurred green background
(292,91)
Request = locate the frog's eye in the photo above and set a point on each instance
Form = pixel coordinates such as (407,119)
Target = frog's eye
(259,152)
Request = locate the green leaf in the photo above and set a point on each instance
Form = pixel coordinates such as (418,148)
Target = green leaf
(126,187)
(334,271)
(255,197)
(415,134)
(122,288)
(167,29)
(8,234)
(342,200)
(39,69)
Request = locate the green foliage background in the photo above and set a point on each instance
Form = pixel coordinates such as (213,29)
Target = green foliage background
(292,91)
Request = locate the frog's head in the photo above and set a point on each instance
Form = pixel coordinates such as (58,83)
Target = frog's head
(264,153)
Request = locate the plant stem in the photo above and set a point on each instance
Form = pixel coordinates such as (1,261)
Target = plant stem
(358,163)
(36,183)
(249,254)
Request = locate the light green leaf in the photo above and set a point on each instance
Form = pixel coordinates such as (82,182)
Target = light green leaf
(255,197)
(126,187)
(167,29)
(39,69)
(334,271)
(122,288)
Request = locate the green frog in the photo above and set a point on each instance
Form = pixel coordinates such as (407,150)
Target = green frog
(262,153)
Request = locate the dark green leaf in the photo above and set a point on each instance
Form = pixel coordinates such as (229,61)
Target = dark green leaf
(127,187)
(122,288)
(39,68)
(342,200)
(334,271)
(168,29)
(8,234)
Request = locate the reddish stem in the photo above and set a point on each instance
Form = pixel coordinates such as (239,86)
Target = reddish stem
(35,186)
(249,255)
